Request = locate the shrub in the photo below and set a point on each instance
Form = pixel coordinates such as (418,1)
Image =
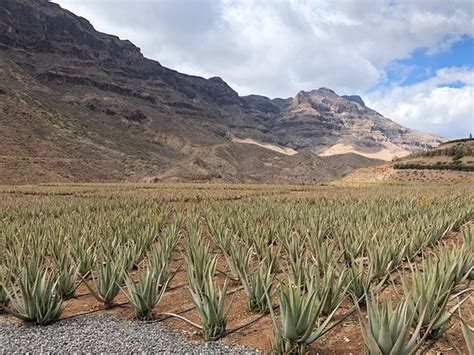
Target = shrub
(455,166)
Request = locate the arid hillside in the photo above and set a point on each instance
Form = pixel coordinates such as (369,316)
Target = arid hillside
(452,161)
(79,105)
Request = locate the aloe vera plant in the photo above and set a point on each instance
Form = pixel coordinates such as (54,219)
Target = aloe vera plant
(350,244)
(84,256)
(171,238)
(67,273)
(147,292)
(315,229)
(4,297)
(257,284)
(299,263)
(160,256)
(201,266)
(136,249)
(36,299)
(110,275)
(210,305)
(437,231)
(468,333)
(270,256)
(220,234)
(4,294)
(330,284)
(158,261)
(381,261)
(301,322)
(388,329)
(460,260)
(207,298)
(359,279)
(238,259)
(324,253)
(468,236)
(428,294)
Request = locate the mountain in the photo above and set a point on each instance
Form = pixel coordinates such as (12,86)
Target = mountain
(80,105)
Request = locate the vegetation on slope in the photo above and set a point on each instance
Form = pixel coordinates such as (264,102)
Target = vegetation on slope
(457,155)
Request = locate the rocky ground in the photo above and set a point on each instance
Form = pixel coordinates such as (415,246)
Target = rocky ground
(101,334)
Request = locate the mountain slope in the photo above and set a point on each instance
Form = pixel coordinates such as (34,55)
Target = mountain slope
(329,124)
(79,105)
(451,161)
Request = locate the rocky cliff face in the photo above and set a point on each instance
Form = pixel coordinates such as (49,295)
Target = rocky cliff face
(330,124)
(76,104)
(42,26)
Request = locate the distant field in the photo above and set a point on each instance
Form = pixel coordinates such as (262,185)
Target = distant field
(199,248)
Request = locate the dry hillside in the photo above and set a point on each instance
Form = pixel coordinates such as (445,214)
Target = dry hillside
(451,161)
(80,105)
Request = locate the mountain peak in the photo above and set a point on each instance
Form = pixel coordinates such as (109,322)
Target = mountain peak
(93,103)
(217,79)
(354,98)
(326,90)
(45,27)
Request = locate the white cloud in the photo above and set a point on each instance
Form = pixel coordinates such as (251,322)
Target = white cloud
(280,48)
(443,104)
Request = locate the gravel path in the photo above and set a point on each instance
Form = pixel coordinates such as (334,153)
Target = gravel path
(94,334)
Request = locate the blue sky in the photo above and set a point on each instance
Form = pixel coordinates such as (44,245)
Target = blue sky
(430,90)
(413,61)
(422,64)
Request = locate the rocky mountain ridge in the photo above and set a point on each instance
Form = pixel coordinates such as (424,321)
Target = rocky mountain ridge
(77,104)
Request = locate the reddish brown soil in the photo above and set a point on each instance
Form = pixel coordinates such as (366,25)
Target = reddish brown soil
(254,330)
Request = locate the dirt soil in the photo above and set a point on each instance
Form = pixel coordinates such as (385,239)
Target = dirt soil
(256,331)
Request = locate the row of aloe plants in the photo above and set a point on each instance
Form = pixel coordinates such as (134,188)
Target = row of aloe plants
(311,263)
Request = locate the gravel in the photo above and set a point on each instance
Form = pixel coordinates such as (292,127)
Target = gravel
(103,334)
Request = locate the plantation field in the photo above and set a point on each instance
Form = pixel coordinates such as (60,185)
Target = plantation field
(283,268)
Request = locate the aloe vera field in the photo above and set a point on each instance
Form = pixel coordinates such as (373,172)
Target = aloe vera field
(378,269)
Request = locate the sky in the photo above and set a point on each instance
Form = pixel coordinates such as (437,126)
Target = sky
(411,60)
